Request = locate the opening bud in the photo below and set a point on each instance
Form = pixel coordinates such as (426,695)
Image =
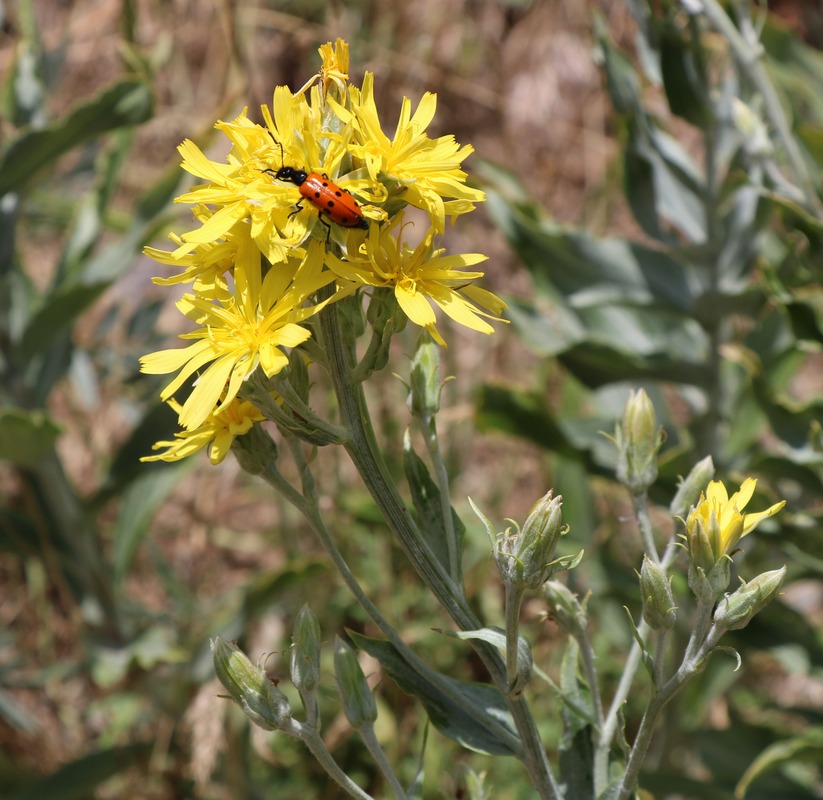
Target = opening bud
(249,686)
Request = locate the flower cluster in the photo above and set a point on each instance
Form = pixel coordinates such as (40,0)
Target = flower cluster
(307,208)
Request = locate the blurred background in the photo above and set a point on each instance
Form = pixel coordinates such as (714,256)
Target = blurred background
(114,574)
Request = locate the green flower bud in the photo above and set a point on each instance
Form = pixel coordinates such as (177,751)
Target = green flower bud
(735,610)
(638,439)
(424,392)
(656,593)
(691,487)
(569,612)
(305,651)
(358,700)
(524,558)
(249,686)
(255,451)
(710,584)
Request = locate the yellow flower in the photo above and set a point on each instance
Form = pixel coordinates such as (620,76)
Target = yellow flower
(419,278)
(423,172)
(241,332)
(335,69)
(239,189)
(207,265)
(717,523)
(219,429)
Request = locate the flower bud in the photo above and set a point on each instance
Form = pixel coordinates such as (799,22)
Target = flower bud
(305,651)
(424,391)
(735,610)
(691,487)
(638,439)
(249,686)
(524,558)
(358,700)
(656,594)
(569,612)
(255,451)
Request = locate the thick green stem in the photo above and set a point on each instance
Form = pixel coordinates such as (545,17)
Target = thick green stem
(513,602)
(363,451)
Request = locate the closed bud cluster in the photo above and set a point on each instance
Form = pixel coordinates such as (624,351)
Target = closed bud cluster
(305,651)
(249,686)
(569,612)
(358,700)
(524,557)
(656,594)
(638,439)
(736,610)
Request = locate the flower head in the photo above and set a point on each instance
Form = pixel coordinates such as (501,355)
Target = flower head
(720,518)
(426,172)
(421,277)
(240,332)
(276,225)
(218,430)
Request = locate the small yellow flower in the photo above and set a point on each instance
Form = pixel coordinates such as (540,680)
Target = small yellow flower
(421,277)
(423,172)
(717,523)
(241,332)
(335,69)
(219,429)
(238,190)
(207,265)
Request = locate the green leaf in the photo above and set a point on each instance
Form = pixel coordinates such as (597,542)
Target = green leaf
(55,316)
(79,779)
(128,102)
(587,270)
(684,76)
(621,79)
(426,498)
(25,436)
(472,714)
(139,503)
(522,414)
(497,637)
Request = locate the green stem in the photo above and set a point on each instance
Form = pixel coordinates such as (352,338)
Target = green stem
(609,728)
(363,451)
(307,505)
(641,512)
(373,746)
(701,642)
(312,739)
(748,55)
(513,602)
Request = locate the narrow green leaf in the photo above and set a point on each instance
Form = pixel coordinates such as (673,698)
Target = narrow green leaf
(78,779)
(128,102)
(478,720)
(139,503)
(55,316)
(25,436)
